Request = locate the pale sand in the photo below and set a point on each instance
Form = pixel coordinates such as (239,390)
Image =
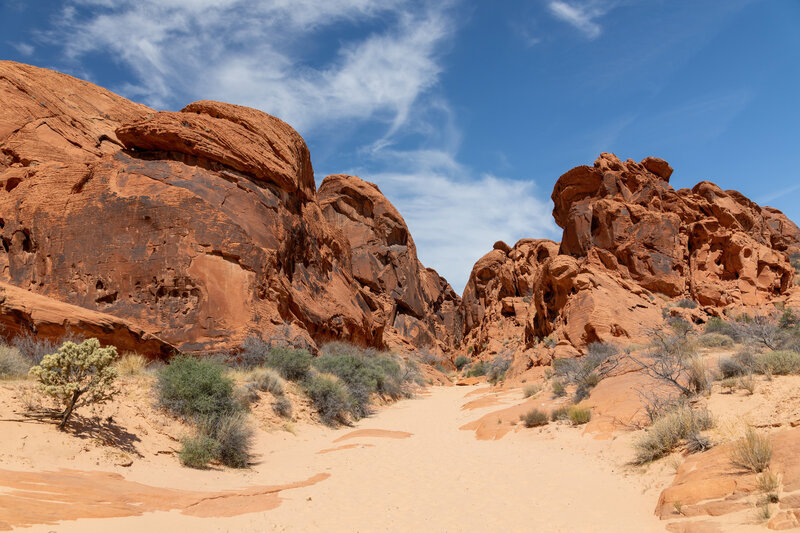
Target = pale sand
(438,478)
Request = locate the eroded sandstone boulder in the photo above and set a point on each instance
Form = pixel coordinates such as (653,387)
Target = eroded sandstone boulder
(417,304)
(630,243)
(200,226)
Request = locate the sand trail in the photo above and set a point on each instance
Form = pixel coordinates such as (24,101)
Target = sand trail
(428,476)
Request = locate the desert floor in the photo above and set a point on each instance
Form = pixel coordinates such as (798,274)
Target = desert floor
(407,468)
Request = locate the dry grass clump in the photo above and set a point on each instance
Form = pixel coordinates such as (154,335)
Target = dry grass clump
(558,389)
(752,452)
(769,484)
(579,415)
(779,362)
(559,413)
(534,418)
(131,364)
(531,390)
(12,363)
(267,380)
(714,340)
(669,431)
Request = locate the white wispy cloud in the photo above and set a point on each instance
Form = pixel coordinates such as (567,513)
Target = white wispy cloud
(23,48)
(454,221)
(263,54)
(582,15)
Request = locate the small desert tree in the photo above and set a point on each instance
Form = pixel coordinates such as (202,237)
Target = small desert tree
(77,375)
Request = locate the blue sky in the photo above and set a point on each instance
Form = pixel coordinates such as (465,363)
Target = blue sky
(465,113)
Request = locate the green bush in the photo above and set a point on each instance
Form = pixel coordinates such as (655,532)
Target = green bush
(587,371)
(78,375)
(559,389)
(198,451)
(477,369)
(534,418)
(496,371)
(579,415)
(461,361)
(192,387)
(715,340)
(363,372)
(12,363)
(717,325)
(560,413)
(290,363)
(329,396)
(685,303)
(780,362)
(669,430)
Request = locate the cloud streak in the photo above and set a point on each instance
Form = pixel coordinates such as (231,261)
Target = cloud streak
(583,16)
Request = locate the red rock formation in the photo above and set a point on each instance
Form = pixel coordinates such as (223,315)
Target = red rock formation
(23,312)
(630,242)
(417,304)
(199,226)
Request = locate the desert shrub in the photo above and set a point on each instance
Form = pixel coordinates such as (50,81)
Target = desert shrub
(769,484)
(759,329)
(672,359)
(748,383)
(560,413)
(131,364)
(12,363)
(77,375)
(245,394)
(35,348)
(697,443)
(282,406)
(233,435)
(685,303)
(721,327)
(461,361)
(290,363)
(267,380)
(329,396)
(534,418)
(477,369)
(558,389)
(730,367)
(714,340)
(193,387)
(730,383)
(549,342)
(752,452)
(587,371)
(429,357)
(198,451)
(497,368)
(363,372)
(698,379)
(530,390)
(253,353)
(668,431)
(780,362)
(579,415)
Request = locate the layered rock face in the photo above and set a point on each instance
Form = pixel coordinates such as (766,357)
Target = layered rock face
(199,227)
(631,243)
(417,304)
